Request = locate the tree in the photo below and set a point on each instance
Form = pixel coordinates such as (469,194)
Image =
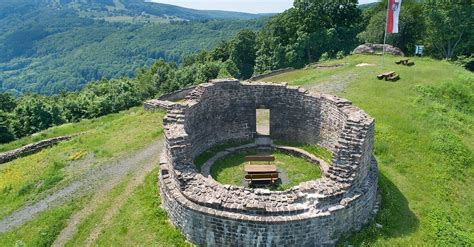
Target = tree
(327,26)
(448,25)
(411,27)
(35,113)
(162,73)
(7,102)
(302,34)
(221,52)
(243,52)
(6,134)
(228,69)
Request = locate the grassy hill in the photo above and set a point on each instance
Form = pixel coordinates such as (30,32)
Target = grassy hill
(424,146)
(49,46)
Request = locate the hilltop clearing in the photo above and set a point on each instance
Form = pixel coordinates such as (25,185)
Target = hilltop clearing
(424,146)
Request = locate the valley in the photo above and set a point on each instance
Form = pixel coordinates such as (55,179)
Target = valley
(49,47)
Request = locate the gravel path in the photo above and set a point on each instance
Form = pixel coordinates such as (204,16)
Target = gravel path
(138,179)
(102,179)
(335,84)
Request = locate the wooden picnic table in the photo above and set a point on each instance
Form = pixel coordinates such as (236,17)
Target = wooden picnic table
(250,169)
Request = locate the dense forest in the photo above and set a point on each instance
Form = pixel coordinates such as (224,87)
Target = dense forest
(51,46)
(310,31)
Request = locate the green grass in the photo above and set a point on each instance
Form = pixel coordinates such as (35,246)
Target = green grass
(105,138)
(206,155)
(309,75)
(87,225)
(230,169)
(140,222)
(424,144)
(41,231)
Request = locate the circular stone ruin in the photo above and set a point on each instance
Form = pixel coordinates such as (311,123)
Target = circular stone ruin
(313,213)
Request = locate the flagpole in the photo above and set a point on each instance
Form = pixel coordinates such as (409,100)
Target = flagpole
(385,33)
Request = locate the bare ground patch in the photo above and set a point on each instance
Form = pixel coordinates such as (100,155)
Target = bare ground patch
(335,84)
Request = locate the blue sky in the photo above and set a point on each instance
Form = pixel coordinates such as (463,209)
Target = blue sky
(250,6)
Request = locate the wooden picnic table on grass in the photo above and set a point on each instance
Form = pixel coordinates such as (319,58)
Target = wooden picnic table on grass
(249,169)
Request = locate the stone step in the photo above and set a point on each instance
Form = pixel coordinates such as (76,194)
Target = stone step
(264,141)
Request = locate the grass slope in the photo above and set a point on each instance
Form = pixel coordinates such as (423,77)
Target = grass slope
(104,139)
(142,221)
(424,145)
(41,231)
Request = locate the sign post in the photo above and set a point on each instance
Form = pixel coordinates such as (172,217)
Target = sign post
(419,50)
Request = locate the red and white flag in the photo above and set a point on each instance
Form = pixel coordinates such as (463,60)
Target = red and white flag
(393,15)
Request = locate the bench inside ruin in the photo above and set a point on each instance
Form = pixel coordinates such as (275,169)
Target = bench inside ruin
(263,173)
(261,177)
(259,158)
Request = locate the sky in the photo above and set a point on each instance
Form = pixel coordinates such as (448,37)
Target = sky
(249,6)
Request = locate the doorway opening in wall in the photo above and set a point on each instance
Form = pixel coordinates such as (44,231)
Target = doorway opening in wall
(263,122)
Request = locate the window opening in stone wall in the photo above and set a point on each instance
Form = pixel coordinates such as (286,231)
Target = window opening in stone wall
(263,122)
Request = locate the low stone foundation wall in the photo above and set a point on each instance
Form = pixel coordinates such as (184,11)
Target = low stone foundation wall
(314,213)
(177,95)
(31,148)
(271,73)
(377,49)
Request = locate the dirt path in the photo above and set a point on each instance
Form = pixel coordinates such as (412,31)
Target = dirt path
(142,163)
(335,84)
(138,179)
(102,179)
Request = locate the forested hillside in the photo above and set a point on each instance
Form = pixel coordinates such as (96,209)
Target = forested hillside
(310,31)
(52,46)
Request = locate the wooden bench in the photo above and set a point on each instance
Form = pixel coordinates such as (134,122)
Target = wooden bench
(261,177)
(405,62)
(393,77)
(386,75)
(389,76)
(259,158)
(251,169)
(260,172)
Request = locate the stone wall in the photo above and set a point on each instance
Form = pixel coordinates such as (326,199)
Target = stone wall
(377,49)
(271,73)
(311,214)
(31,148)
(177,95)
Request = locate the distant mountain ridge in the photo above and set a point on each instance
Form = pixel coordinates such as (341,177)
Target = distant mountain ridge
(49,46)
(149,8)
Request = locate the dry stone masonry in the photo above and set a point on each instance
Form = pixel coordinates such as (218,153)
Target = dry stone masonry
(377,49)
(31,148)
(314,213)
